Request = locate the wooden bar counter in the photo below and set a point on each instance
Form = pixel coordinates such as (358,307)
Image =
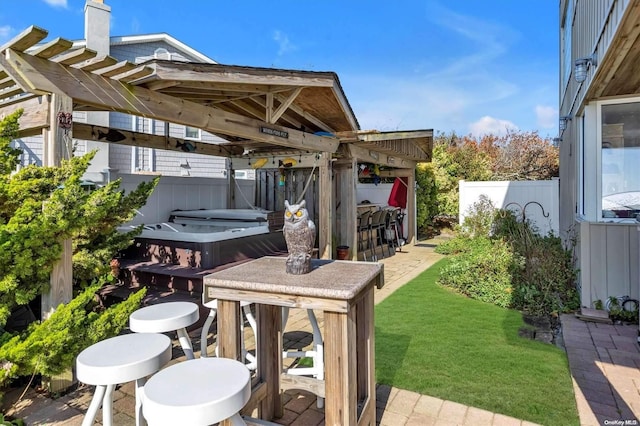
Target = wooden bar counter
(343,290)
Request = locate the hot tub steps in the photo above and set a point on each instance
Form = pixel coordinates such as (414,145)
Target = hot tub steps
(167,276)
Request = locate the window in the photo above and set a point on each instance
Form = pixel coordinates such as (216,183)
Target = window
(191,133)
(162,53)
(620,159)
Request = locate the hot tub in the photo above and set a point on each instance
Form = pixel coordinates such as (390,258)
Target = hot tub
(207,238)
(201,232)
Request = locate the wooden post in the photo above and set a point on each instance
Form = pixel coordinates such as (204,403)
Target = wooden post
(346,178)
(269,350)
(231,185)
(325,207)
(58,146)
(411,208)
(341,372)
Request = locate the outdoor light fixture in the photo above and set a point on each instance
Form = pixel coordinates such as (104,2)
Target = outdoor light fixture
(556,141)
(564,121)
(582,65)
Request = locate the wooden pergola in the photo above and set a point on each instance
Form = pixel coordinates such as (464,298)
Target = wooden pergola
(258,112)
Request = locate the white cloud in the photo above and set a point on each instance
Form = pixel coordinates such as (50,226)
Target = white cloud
(546,116)
(396,102)
(57,3)
(489,125)
(285,45)
(451,93)
(488,41)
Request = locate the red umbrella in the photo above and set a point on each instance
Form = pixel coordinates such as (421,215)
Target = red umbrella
(398,196)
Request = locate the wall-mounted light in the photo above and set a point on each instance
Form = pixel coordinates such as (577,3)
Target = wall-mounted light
(564,121)
(582,66)
(184,168)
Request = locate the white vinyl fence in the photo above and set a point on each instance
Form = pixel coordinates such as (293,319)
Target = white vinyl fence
(537,201)
(184,193)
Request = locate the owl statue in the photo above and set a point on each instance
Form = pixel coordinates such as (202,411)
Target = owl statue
(300,235)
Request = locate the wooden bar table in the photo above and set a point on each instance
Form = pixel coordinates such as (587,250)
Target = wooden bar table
(343,290)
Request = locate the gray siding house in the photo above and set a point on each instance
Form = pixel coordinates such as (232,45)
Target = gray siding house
(600,143)
(119,159)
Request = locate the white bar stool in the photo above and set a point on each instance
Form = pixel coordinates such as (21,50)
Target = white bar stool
(316,355)
(118,360)
(202,391)
(164,317)
(252,362)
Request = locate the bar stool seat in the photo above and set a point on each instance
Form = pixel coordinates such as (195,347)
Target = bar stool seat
(165,317)
(118,360)
(202,391)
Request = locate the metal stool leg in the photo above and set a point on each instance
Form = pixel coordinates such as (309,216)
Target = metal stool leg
(185,342)
(94,406)
(205,332)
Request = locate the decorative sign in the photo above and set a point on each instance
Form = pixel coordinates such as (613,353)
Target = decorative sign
(391,160)
(65,120)
(274,132)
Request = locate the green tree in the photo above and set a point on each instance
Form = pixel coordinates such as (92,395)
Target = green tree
(456,159)
(426,195)
(514,156)
(40,207)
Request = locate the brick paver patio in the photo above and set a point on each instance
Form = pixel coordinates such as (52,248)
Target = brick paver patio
(604,361)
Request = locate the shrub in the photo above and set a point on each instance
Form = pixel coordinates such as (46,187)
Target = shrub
(483,271)
(514,267)
(479,218)
(426,195)
(547,282)
(457,244)
(40,207)
(51,346)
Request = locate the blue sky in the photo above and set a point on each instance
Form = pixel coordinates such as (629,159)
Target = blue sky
(469,66)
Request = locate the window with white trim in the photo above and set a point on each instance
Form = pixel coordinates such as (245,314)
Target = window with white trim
(192,133)
(619,145)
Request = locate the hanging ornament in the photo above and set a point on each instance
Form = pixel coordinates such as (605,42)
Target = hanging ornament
(260,162)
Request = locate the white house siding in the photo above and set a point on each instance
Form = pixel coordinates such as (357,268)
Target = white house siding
(31,150)
(608,254)
(170,163)
(609,261)
(135,51)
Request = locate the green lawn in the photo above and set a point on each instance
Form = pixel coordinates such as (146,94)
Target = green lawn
(435,342)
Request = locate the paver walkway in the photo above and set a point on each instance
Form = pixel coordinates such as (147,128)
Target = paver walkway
(605,371)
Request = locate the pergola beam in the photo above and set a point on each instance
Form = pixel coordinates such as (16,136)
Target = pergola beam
(53,48)
(147,140)
(35,116)
(42,75)
(25,39)
(372,156)
(285,105)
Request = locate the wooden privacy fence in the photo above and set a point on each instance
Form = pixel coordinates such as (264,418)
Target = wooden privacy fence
(272,190)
